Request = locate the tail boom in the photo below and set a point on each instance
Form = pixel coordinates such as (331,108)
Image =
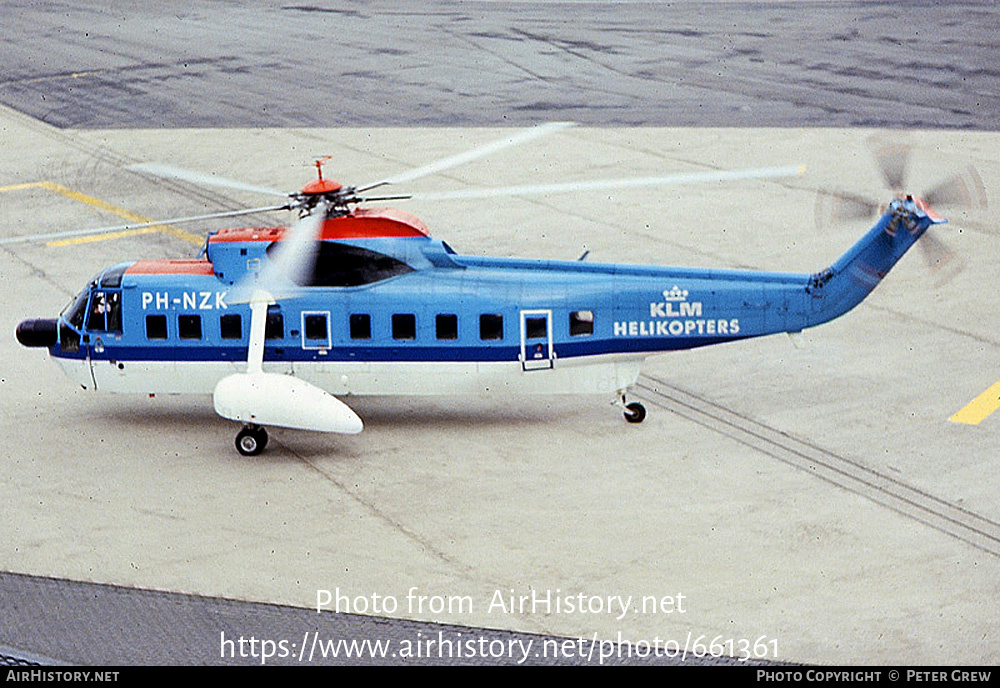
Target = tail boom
(852,277)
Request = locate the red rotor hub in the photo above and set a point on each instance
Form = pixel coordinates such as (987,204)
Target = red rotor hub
(319,186)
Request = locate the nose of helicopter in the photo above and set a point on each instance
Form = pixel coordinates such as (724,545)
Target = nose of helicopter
(37,332)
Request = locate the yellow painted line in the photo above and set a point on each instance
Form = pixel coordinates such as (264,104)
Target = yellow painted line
(95,202)
(18,187)
(108,208)
(979,408)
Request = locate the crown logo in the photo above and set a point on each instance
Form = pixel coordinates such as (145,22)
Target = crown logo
(675,294)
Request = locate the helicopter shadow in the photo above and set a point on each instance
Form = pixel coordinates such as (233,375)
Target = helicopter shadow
(461,412)
(429,422)
(173,424)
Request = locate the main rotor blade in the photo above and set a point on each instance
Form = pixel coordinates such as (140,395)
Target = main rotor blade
(137,225)
(379,199)
(170,172)
(964,190)
(289,265)
(605,184)
(474,154)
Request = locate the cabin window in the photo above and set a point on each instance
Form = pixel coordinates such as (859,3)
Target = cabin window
(446,326)
(156,327)
(275,327)
(404,326)
(490,326)
(189,326)
(581,323)
(361,326)
(231,326)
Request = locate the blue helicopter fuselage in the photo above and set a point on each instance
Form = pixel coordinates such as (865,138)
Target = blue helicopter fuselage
(389,310)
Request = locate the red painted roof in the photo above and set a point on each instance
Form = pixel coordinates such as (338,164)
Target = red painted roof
(170,267)
(361,223)
(247,234)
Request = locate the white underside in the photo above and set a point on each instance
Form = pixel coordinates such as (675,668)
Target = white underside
(603,374)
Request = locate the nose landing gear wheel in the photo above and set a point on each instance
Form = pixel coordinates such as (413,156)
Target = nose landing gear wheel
(251,440)
(635,412)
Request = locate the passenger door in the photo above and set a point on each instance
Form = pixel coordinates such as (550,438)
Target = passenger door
(537,352)
(316,331)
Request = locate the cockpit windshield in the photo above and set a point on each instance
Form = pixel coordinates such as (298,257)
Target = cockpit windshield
(77,308)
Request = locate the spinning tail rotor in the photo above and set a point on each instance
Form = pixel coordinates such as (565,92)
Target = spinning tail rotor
(963,191)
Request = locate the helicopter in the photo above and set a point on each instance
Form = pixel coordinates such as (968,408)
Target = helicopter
(278,324)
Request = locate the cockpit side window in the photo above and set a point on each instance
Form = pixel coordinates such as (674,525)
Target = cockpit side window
(114,311)
(105,311)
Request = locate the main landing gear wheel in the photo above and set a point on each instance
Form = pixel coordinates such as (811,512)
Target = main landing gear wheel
(635,412)
(251,440)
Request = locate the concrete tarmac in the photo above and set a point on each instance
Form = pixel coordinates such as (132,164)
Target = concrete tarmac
(816,500)
(467,498)
(266,64)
